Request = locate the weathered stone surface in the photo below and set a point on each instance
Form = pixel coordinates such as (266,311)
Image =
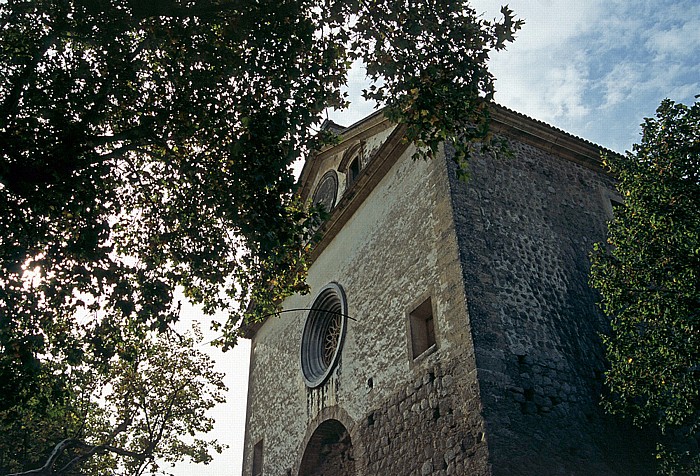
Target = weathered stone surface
(511,386)
(535,325)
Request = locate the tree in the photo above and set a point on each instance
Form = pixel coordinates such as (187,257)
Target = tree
(648,275)
(147,146)
(146,409)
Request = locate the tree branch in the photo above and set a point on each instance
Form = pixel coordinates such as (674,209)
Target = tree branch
(93,114)
(20,81)
(166,418)
(90,451)
(172,9)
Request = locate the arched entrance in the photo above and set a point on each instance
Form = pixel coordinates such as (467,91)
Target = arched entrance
(329,452)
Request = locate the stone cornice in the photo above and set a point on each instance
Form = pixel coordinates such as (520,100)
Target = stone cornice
(539,134)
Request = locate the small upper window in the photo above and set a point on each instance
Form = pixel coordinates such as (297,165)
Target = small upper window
(352,163)
(611,202)
(354,170)
(615,205)
(258,458)
(422,328)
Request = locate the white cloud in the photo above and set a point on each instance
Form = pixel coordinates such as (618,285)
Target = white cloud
(547,90)
(568,84)
(359,107)
(620,83)
(597,68)
(547,22)
(677,41)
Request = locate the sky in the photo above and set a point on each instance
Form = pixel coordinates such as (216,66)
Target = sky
(592,68)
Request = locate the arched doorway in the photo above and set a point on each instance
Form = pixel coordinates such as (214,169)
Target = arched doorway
(329,452)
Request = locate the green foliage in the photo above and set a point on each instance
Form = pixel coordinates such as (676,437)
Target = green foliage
(430,61)
(649,277)
(144,411)
(146,146)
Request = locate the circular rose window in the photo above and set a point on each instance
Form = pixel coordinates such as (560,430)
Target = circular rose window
(323,335)
(326,191)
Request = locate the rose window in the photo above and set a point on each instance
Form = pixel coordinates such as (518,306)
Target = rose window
(323,336)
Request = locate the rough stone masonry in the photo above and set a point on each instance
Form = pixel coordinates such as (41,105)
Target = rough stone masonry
(509,378)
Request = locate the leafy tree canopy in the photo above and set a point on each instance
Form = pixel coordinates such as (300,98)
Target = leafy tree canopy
(649,279)
(142,411)
(147,145)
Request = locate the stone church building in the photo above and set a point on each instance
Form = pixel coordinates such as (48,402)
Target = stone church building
(450,329)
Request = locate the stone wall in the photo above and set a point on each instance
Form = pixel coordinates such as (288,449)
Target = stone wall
(432,426)
(418,417)
(526,225)
(513,383)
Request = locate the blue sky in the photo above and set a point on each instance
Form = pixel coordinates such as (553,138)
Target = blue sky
(593,68)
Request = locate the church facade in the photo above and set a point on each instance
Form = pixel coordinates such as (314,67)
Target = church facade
(450,328)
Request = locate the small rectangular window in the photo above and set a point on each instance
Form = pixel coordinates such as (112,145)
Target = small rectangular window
(422,328)
(354,169)
(258,458)
(611,202)
(616,205)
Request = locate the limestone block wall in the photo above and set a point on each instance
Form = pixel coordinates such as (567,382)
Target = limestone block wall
(526,225)
(432,426)
(514,383)
(419,417)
